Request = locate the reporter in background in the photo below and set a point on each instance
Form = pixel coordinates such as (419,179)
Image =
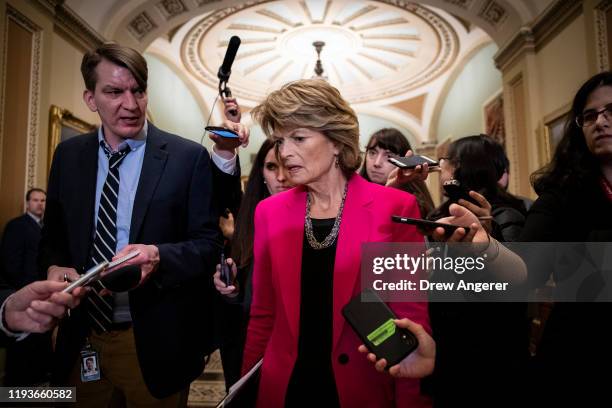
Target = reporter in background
(267,178)
(28,362)
(307,256)
(376,168)
(482,347)
(574,205)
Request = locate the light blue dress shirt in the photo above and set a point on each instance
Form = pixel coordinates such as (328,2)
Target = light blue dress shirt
(129,175)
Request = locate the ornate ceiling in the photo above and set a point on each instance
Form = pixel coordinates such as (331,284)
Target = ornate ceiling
(372,49)
(393,59)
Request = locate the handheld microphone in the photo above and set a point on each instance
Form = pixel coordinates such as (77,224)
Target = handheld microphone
(226,68)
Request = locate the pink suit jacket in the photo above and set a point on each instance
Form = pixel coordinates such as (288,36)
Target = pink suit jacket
(275,311)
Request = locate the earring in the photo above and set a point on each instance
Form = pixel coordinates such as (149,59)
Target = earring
(337,162)
(265,182)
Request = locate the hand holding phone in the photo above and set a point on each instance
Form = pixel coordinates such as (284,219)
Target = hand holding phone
(222,132)
(93,274)
(226,271)
(428,227)
(410,162)
(418,364)
(373,321)
(455,192)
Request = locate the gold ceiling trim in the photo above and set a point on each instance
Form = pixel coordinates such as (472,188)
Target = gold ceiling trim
(446,53)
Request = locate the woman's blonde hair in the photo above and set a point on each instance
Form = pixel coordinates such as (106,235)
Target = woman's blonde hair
(316,105)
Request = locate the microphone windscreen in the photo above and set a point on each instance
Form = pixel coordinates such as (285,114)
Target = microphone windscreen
(230,54)
(123,279)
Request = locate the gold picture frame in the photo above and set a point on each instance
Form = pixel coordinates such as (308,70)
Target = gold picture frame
(62,126)
(552,132)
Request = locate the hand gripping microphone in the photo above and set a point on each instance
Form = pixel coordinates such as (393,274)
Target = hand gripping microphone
(226,68)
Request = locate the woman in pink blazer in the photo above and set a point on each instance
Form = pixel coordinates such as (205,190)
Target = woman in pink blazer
(307,254)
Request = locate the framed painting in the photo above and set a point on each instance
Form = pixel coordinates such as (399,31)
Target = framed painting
(62,126)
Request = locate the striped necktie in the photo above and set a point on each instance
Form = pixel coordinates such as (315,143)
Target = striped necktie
(100,308)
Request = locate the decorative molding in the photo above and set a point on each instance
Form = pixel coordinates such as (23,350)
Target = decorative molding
(493,13)
(201,3)
(141,25)
(76,28)
(601,35)
(171,8)
(71,24)
(34,100)
(441,29)
(464,4)
(534,36)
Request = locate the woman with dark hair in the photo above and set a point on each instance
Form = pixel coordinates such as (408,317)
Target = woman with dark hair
(387,143)
(267,178)
(471,162)
(574,205)
(482,347)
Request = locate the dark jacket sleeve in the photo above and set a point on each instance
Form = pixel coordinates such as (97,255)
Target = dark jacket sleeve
(200,251)
(226,189)
(12,254)
(54,245)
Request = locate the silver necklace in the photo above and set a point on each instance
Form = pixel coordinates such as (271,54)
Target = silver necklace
(329,240)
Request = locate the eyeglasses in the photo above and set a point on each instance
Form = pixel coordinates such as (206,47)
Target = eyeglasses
(589,117)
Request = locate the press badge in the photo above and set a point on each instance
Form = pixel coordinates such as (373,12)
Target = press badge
(90,364)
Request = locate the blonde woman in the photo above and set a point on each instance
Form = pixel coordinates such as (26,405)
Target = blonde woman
(307,254)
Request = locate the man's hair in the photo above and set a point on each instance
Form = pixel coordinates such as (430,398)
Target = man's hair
(34,190)
(117,54)
(313,104)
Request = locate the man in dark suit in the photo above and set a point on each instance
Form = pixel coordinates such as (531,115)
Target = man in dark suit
(20,242)
(27,361)
(131,186)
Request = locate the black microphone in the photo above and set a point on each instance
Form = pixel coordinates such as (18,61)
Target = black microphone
(226,68)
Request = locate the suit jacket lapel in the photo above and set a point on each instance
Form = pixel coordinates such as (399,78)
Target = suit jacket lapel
(153,164)
(290,256)
(354,230)
(87,177)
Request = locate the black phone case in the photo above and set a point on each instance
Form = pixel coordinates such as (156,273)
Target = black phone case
(428,226)
(456,193)
(366,317)
(412,161)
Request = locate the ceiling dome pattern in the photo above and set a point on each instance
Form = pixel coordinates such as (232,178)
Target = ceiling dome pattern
(373,49)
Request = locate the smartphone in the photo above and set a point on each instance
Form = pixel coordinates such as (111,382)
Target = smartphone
(412,161)
(93,273)
(222,132)
(427,227)
(455,192)
(373,323)
(226,271)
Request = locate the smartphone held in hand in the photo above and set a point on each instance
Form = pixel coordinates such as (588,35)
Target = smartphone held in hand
(412,161)
(222,132)
(373,321)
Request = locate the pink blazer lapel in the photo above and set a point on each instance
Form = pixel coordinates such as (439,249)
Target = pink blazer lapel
(289,255)
(354,230)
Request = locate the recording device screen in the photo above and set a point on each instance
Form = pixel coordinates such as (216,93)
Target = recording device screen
(222,132)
